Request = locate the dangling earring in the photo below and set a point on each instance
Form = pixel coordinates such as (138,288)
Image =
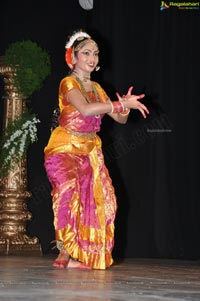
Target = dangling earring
(97,68)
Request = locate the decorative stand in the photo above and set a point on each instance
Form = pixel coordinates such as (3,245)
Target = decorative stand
(13,187)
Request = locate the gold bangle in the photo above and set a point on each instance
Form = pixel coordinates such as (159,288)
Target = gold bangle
(126,112)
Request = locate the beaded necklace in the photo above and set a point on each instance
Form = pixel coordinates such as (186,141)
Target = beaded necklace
(84,79)
(87,97)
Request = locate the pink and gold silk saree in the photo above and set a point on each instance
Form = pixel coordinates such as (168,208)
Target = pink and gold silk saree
(83,197)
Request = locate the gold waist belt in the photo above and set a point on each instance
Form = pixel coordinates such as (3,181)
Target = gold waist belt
(80,134)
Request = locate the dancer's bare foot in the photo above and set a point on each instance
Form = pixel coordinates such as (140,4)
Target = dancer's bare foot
(73,264)
(62,260)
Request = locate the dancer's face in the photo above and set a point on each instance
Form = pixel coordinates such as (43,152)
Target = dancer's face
(87,58)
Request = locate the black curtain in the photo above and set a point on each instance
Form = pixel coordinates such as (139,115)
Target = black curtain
(154,162)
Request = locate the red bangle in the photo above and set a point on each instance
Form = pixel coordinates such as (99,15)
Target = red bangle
(118,107)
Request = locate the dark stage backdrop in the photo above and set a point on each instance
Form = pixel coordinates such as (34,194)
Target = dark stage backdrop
(153,163)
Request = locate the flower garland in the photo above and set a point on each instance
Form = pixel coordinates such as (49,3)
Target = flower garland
(19,134)
(76,36)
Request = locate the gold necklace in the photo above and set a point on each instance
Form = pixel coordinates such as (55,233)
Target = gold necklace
(84,78)
(87,97)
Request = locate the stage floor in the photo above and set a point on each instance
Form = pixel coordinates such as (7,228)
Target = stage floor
(33,278)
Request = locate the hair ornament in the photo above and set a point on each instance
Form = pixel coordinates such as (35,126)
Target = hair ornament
(76,36)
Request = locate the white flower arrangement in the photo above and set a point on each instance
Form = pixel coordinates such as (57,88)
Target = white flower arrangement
(18,136)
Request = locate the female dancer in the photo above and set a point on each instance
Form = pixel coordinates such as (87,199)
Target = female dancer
(84,201)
